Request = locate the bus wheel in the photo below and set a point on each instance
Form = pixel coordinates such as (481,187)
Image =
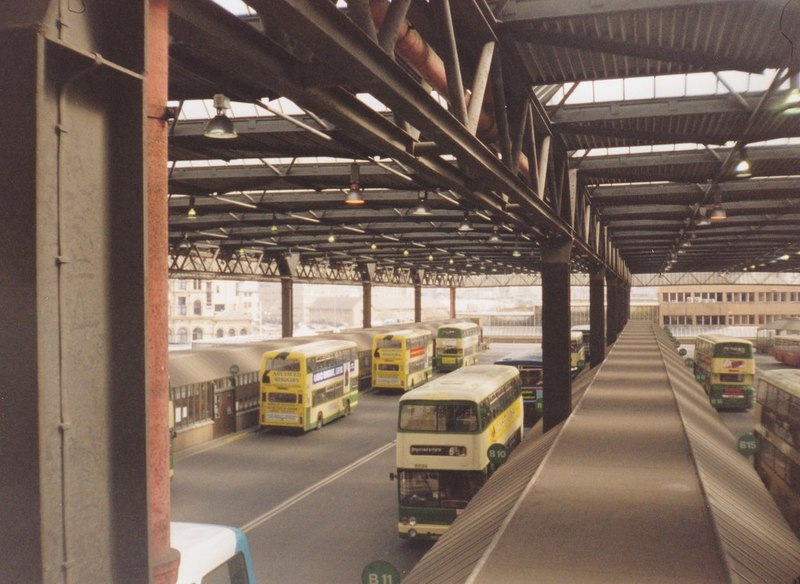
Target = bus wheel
(347,408)
(319,421)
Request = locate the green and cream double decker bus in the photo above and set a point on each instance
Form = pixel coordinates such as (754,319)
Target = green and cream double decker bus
(402,359)
(308,385)
(444,434)
(724,366)
(457,345)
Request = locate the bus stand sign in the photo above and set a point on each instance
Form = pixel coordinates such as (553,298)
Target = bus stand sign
(747,444)
(497,453)
(380,572)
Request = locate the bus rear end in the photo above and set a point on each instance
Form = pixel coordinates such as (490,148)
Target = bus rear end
(732,370)
(531,383)
(389,368)
(282,377)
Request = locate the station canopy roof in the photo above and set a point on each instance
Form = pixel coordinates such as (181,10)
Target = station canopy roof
(622,127)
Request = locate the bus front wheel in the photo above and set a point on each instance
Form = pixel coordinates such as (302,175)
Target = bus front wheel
(319,421)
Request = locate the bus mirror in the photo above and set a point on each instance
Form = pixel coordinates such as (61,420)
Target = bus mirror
(392,476)
(682,352)
(689,362)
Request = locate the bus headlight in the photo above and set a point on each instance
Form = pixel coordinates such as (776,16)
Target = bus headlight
(412,521)
(412,533)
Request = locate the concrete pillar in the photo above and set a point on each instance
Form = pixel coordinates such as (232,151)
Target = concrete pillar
(556,332)
(76,318)
(597,317)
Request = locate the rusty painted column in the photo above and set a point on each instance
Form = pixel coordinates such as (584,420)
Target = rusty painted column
(163,559)
(452,301)
(597,316)
(556,332)
(287,266)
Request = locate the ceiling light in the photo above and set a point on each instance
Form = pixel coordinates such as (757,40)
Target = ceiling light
(405,252)
(515,253)
(331,237)
(717,213)
(791,104)
(422,208)
(192,212)
(702,217)
(185,243)
(354,194)
(494,238)
(220,127)
(466,224)
(743,169)
(430,257)
(373,245)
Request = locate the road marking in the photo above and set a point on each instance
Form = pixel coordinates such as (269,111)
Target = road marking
(314,488)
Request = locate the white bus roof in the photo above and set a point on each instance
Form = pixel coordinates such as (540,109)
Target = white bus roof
(788,379)
(409,332)
(203,547)
(459,325)
(712,338)
(472,383)
(315,348)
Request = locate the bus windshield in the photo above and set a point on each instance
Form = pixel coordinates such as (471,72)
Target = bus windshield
(429,417)
(282,365)
(387,343)
(438,488)
(733,350)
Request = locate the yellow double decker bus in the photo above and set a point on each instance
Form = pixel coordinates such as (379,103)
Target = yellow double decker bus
(445,432)
(577,352)
(402,359)
(457,345)
(308,385)
(724,366)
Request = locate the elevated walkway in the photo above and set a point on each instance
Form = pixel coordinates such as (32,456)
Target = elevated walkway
(642,483)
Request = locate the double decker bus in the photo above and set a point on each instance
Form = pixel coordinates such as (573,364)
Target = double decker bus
(457,345)
(778,431)
(308,385)
(577,352)
(724,366)
(402,359)
(444,433)
(529,365)
(786,349)
(586,333)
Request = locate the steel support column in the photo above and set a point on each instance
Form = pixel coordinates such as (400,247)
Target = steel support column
(556,332)
(452,301)
(367,274)
(418,277)
(163,560)
(612,312)
(597,316)
(73,328)
(287,307)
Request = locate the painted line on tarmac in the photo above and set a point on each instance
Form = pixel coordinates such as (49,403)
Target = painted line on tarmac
(314,488)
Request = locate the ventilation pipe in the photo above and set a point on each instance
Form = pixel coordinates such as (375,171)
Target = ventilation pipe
(418,54)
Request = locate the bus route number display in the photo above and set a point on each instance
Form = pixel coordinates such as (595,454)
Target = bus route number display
(497,453)
(747,444)
(380,572)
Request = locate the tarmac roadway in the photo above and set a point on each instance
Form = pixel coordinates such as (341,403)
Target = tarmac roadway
(317,507)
